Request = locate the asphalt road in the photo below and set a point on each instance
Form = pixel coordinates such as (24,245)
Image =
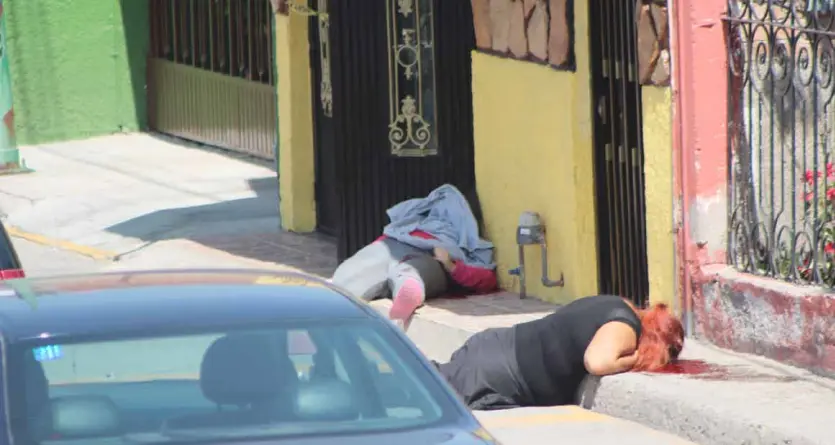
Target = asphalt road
(40,260)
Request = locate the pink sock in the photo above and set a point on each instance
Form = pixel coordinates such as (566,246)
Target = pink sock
(409,297)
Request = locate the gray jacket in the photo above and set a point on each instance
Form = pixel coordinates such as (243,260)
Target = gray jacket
(446,215)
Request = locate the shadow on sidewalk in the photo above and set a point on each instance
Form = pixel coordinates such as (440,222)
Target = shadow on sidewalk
(231,154)
(497,304)
(248,228)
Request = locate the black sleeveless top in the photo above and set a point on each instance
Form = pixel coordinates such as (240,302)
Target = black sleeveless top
(550,350)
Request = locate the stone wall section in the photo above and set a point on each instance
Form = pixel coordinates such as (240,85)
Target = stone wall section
(653,43)
(536,30)
(280,6)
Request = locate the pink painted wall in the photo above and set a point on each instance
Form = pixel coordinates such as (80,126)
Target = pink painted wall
(746,313)
(700,135)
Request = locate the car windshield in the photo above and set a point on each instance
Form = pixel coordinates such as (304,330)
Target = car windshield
(296,379)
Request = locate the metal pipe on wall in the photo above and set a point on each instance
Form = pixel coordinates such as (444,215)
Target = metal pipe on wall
(679,34)
(531,231)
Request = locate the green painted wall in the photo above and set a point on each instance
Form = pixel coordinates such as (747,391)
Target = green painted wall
(78,67)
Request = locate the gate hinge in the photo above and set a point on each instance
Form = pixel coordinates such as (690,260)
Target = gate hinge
(303,9)
(601,109)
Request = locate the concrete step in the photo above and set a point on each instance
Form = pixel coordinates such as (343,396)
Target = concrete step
(724,399)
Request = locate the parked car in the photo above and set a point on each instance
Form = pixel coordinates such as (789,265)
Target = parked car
(214,357)
(9,263)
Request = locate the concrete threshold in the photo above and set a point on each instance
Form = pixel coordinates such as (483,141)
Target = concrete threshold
(723,398)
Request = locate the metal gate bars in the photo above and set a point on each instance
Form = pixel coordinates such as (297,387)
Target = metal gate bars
(781,136)
(373,167)
(211,73)
(619,153)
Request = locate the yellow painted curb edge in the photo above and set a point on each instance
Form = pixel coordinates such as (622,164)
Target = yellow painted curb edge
(87,251)
(565,415)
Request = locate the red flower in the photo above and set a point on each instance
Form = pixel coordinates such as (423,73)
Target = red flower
(829,248)
(810,176)
(804,269)
(810,196)
(830,194)
(830,171)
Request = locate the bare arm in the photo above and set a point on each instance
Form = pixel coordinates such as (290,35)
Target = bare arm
(612,350)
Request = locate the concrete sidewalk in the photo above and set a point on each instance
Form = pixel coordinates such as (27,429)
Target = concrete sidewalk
(126,198)
(730,399)
(118,193)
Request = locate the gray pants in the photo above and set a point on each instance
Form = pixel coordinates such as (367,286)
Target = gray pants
(380,268)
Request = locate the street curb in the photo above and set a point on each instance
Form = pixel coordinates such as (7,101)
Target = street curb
(562,417)
(88,251)
(678,405)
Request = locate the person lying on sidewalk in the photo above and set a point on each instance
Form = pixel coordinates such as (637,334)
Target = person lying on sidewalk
(543,362)
(430,248)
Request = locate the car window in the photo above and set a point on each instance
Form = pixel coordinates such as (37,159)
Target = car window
(399,400)
(311,363)
(289,380)
(303,352)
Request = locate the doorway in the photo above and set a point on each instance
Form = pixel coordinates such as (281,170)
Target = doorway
(399,98)
(618,150)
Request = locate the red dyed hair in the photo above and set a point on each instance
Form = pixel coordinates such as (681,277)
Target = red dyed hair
(662,338)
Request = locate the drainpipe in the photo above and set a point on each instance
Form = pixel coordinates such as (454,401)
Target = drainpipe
(10,161)
(277,145)
(679,36)
(275,86)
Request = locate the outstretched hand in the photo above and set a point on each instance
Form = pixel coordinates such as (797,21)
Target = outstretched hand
(442,255)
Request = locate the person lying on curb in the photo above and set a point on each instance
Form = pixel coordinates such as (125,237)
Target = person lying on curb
(543,362)
(430,248)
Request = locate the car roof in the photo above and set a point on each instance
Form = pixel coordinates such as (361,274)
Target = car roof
(125,303)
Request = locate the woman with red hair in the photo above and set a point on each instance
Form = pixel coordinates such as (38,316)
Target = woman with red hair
(543,362)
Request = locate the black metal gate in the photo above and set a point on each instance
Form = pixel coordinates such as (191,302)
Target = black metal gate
(326,184)
(374,163)
(210,73)
(618,150)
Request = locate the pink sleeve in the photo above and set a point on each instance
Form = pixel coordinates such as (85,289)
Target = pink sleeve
(479,279)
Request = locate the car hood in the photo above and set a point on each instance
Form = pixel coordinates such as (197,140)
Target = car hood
(445,436)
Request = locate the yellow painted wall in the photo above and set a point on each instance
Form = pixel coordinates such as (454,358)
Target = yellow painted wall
(658,177)
(533,151)
(295,124)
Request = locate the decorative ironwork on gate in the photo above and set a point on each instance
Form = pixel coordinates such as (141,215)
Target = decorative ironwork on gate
(325,85)
(211,73)
(368,177)
(411,44)
(320,12)
(782,180)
